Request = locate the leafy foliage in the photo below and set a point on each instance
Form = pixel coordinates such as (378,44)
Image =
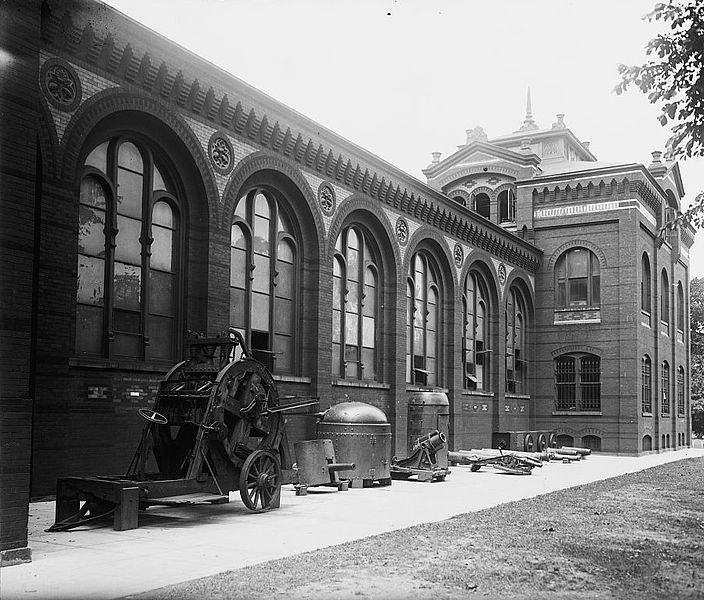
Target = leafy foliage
(696,324)
(674,78)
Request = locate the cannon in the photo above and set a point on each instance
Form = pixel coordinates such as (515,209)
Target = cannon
(423,461)
(216,427)
(515,463)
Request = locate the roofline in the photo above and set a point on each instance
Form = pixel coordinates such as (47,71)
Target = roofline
(542,133)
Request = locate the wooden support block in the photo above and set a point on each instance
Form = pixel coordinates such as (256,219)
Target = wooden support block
(357,483)
(127,509)
(301,490)
(343,486)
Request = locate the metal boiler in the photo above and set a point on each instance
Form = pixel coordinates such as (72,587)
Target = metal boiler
(360,434)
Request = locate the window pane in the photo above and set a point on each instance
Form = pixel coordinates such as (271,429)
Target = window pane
(261,273)
(261,206)
(284,252)
(284,353)
(578,263)
(237,308)
(91,279)
(284,280)
(91,236)
(98,157)
(92,193)
(163,215)
(161,293)
(130,158)
(369,372)
(127,245)
(352,296)
(368,332)
(260,312)
(578,291)
(158,183)
(336,326)
(351,328)
(283,316)
(162,249)
(336,364)
(126,321)
(127,286)
(89,329)
(161,337)
(262,236)
(129,194)
(238,268)
(126,344)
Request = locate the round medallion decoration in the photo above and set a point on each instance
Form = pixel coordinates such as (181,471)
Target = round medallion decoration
(326,198)
(60,84)
(221,153)
(458,253)
(402,231)
(502,273)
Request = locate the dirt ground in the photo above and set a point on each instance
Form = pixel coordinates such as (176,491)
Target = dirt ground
(635,536)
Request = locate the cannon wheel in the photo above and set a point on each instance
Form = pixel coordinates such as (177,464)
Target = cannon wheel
(260,480)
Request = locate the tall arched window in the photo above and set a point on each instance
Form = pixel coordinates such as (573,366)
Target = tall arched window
(665,388)
(646,301)
(507,206)
(680,312)
(129,238)
(475,337)
(680,391)
(516,364)
(577,279)
(356,306)
(482,204)
(665,302)
(423,321)
(646,378)
(264,271)
(578,382)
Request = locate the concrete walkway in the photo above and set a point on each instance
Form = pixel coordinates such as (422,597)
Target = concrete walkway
(173,544)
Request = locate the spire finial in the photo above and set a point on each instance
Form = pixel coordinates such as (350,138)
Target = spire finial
(528,123)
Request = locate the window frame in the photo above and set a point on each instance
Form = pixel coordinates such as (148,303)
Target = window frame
(516,325)
(665,388)
(563,283)
(479,297)
(109,179)
(646,386)
(575,389)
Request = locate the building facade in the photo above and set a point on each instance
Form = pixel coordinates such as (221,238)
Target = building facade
(146,194)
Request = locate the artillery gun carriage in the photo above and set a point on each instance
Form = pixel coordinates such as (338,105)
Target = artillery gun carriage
(216,426)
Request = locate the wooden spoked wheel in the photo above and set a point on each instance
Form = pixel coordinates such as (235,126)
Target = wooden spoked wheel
(260,480)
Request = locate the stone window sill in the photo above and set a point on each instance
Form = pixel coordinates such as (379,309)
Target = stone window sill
(576,413)
(360,384)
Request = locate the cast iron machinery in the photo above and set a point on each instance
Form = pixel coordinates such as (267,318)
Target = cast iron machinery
(216,426)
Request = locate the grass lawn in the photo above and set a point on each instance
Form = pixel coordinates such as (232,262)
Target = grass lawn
(636,536)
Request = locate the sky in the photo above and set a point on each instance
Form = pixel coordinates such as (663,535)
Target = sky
(404,78)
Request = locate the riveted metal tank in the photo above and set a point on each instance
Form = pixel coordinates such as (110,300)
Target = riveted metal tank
(361,434)
(429,411)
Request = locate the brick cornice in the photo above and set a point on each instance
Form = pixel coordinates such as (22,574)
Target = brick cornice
(323,152)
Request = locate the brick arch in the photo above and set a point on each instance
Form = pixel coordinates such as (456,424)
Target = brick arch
(359,206)
(572,348)
(517,279)
(429,238)
(505,186)
(577,244)
(48,141)
(484,189)
(463,194)
(112,101)
(482,262)
(264,161)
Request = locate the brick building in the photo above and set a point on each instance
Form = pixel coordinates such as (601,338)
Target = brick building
(147,193)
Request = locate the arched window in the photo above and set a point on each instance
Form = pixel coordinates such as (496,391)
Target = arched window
(645,286)
(647,443)
(482,204)
(665,387)
(593,442)
(665,302)
(516,363)
(460,200)
(680,312)
(578,382)
(646,376)
(129,241)
(577,279)
(355,310)
(423,321)
(680,391)
(475,337)
(264,272)
(507,206)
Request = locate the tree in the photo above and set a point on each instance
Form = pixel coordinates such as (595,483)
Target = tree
(696,336)
(674,78)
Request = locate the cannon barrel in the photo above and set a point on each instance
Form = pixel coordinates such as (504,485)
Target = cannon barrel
(434,440)
(582,451)
(333,467)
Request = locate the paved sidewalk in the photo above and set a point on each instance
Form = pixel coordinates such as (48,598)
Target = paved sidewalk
(173,545)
